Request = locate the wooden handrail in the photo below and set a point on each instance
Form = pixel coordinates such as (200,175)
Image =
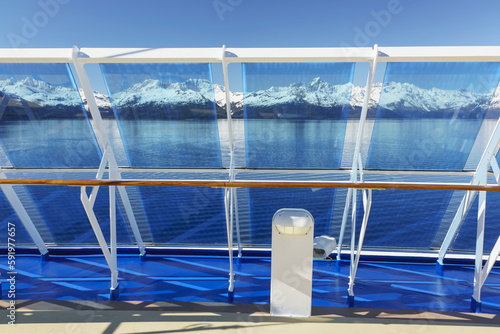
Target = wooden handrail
(255,184)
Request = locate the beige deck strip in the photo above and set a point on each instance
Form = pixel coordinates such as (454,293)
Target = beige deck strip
(40,317)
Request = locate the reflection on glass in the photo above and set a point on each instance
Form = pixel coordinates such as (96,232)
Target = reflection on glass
(264,202)
(166,114)
(9,219)
(185,215)
(429,114)
(71,226)
(295,114)
(466,238)
(42,121)
(404,218)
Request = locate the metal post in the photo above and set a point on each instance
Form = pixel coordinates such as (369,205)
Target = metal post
(476,296)
(231,146)
(350,290)
(229,195)
(344,222)
(95,226)
(356,156)
(479,178)
(357,165)
(108,155)
(490,262)
(113,173)
(24,217)
(457,222)
(229,228)
(367,203)
(112,238)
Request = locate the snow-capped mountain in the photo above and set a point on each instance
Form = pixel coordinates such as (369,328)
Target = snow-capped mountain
(304,99)
(317,92)
(151,91)
(404,96)
(358,96)
(236,98)
(39,92)
(102,101)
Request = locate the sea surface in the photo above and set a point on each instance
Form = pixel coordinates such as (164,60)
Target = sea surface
(311,150)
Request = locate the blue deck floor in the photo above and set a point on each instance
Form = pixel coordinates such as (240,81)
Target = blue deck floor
(379,284)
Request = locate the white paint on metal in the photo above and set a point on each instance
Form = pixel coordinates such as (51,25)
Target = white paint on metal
(291,263)
(108,155)
(357,162)
(23,215)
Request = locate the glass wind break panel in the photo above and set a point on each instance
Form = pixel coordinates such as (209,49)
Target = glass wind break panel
(264,202)
(42,120)
(185,215)
(429,114)
(466,238)
(296,114)
(166,114)
(71,226)
(9,220)
(403,218)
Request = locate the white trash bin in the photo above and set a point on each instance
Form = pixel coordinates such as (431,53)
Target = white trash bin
(291,263)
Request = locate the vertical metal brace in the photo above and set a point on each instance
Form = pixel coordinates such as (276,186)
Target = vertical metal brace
(357,165)
(113,173)
(108,156)
(480,272)
(23,215)
(108,159)
(479,247)
(354,169)
(100,237)
(232,172)
(12,197)
(230,197)
(229,228)
(479,178)
(367,203)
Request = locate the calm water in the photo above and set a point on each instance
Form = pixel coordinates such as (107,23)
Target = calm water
(399,218)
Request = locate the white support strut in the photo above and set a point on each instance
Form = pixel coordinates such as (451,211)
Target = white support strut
(23,215)
(108,156)
(113,171)
(232,172)
(229,228)
(11,194)
(367,203)
(357,150)
(232,201)
(479,178)
(357,169)
(480,272)
(479,246)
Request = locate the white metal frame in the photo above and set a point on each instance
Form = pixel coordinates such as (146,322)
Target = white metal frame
(480,177)
(114,172)
(109,160)
(230,198)
(242,55)
(24,217)
(357,168)
(13,198)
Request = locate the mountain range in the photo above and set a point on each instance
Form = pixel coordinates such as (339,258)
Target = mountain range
(315,99)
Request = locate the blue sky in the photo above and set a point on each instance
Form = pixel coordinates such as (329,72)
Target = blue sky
(248,23)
